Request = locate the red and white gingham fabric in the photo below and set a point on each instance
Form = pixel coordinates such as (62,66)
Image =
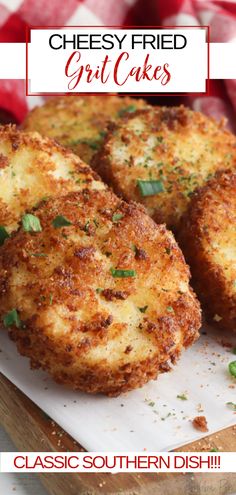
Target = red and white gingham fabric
(220,15)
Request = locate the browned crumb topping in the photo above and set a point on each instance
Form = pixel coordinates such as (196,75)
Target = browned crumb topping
(200,423)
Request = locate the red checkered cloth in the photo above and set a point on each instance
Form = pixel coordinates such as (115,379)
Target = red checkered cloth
(220,15)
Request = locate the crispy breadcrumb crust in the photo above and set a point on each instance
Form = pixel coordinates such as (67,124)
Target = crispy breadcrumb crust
(174,145)
(79,122)
(208,238)
(33,168)
(90,330)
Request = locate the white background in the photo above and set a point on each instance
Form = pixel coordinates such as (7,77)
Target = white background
(222,60)
(98,462)
(188,66)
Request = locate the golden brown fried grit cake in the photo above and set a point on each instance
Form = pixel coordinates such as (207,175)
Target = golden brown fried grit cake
(208,237)
(159,156)
(100,297)
(79,122)
(32,168)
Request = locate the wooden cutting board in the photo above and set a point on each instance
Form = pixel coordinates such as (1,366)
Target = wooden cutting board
(31,430)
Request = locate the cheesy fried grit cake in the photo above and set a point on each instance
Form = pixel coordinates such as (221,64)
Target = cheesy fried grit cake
(97,294)
(79,122)
(159,156)
(208,237)
(33,168)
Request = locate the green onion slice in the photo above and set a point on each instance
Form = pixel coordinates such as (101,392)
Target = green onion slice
(232,368)
(150,187)
(122,273)
(116,217)
(31,223)
(12,318)
(3,235)
(60,221)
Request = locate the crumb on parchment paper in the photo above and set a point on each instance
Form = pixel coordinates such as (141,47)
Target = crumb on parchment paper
(200,423)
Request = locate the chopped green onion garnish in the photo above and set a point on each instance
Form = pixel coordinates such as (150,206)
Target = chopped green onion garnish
(169,309)
(3,235)
(232,368)
(129,109)
(182,397)
(150,187)
(12,318)
(143,309)
(116,217)
(232,405)
(122,273)
(60,221)
(31,223)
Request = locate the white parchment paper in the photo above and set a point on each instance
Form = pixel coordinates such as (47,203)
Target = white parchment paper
(151,418)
